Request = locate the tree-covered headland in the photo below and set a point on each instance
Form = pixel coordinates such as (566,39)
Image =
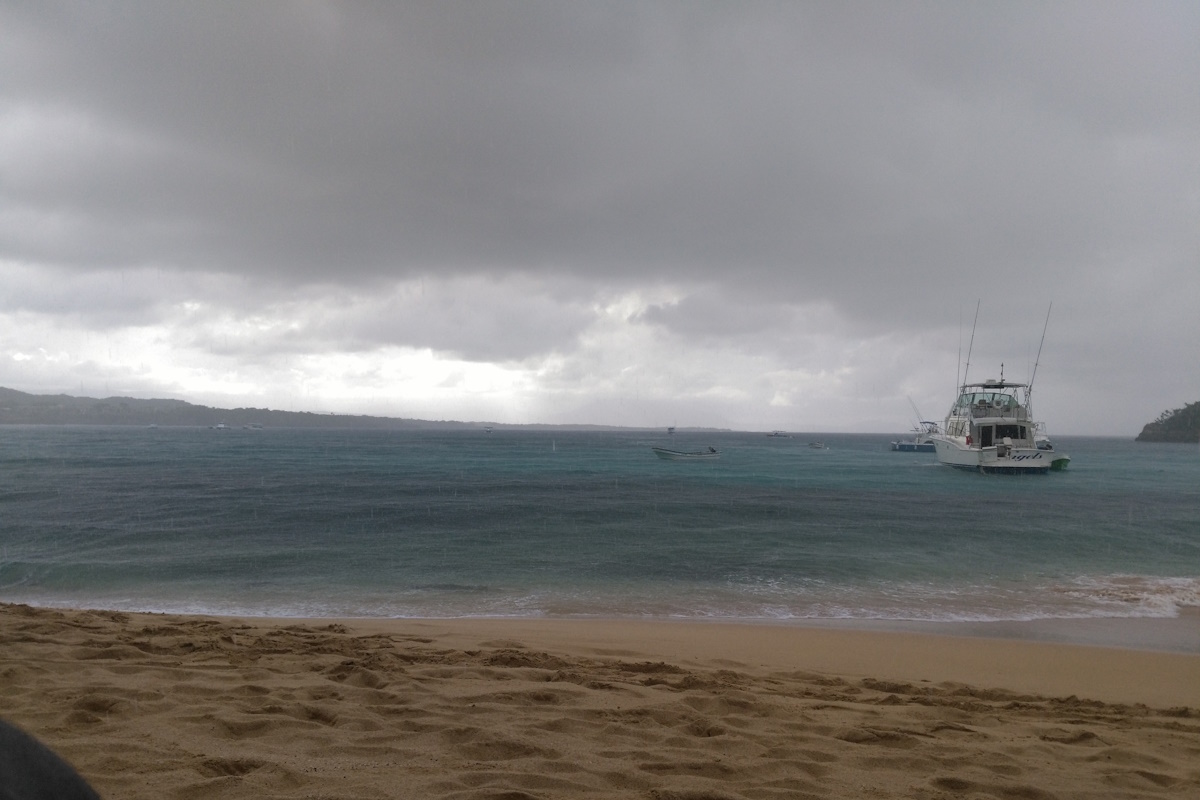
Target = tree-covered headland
(1178,425)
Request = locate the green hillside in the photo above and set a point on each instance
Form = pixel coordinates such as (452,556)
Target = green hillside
(20,408)
(1179,425)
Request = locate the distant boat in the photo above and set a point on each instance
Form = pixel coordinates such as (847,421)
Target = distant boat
(779,435)
(670,429)
(1041,437)
(922,441)
(817,445)
(487,429)
(679,455)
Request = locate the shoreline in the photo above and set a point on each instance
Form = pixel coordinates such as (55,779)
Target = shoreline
(1008,655)
(184,707)
(1178,634)
(1107,674)
(1173,634)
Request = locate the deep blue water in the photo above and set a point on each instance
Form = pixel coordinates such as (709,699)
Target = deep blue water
(535,523)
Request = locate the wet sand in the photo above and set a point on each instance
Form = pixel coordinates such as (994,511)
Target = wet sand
(156,706)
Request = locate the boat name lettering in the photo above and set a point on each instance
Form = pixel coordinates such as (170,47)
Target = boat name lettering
(1027,457)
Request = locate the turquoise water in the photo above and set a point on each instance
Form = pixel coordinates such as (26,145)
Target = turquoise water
(556,523)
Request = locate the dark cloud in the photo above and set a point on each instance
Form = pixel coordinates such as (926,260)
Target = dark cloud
(735,166)
(805,144)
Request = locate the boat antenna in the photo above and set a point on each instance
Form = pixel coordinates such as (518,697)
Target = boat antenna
(1036,361)
(971,346)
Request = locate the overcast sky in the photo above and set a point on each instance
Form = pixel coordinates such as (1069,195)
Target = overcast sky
(753,215)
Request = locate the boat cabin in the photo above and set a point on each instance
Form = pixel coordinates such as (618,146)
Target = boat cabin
(989,435)
(993,413)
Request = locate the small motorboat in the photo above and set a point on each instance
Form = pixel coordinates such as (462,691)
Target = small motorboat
(680,455)
(922,441)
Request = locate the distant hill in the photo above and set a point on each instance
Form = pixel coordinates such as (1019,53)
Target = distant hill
(1180,425)
(19,408)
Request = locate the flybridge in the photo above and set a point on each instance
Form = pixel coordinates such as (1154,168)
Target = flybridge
(990,396)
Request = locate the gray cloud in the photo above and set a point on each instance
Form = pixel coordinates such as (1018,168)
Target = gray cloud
(749,171)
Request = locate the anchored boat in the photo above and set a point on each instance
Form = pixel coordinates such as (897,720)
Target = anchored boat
(679,455)
(922,441)
(990,429)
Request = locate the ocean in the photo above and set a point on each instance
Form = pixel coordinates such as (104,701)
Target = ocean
(559,523)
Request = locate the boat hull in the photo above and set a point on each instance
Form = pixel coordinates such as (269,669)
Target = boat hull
(953,451)
(914,447)
(678,455)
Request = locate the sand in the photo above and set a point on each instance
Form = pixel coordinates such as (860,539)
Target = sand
(154,706)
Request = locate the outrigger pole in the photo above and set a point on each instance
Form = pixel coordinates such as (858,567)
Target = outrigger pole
(917,411)
(970,348)
(958,367)
(1036,361)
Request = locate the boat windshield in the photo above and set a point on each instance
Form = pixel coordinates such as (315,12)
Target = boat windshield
(995,399)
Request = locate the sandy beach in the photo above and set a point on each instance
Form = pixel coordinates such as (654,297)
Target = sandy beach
(156,706)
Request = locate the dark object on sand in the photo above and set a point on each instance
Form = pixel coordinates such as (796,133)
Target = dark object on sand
(31,771)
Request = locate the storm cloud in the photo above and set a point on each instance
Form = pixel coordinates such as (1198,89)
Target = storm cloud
(754,215)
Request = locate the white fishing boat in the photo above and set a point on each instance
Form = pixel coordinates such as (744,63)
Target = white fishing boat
(990,427)
(680,455)
(923,432)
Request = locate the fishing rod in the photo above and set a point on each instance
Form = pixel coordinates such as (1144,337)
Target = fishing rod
(971,346)
(1029,389)
(958,366)
(917,411)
